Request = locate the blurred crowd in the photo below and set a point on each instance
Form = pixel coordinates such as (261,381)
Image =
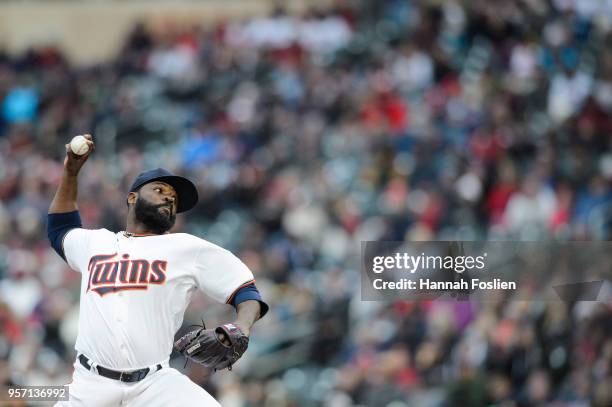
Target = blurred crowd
(307,134)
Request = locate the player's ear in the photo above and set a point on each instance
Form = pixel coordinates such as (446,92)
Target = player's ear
(132,198)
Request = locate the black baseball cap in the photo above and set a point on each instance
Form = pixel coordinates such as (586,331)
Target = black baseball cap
(186,191)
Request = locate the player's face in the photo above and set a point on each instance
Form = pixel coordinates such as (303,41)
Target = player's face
(156,207)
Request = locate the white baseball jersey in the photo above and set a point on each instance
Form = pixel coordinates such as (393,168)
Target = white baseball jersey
(135,289)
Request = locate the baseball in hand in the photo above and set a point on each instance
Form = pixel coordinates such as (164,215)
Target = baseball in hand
(79,145)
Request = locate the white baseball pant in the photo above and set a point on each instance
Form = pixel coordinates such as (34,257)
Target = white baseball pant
(165,388)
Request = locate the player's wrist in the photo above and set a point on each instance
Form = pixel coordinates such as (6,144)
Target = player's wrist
(70,173)
(243,327)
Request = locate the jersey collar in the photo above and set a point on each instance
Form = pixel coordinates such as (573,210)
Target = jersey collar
(130,234)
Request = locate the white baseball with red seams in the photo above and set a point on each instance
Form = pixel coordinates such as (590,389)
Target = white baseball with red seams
(79,145)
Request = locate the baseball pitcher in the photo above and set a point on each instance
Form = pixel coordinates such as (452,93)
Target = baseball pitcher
(135,287)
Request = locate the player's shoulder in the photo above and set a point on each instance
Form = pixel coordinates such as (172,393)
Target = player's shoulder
(78,239)
(91,232)
(103,232)
(200,243)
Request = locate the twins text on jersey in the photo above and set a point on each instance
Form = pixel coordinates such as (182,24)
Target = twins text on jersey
(109,274)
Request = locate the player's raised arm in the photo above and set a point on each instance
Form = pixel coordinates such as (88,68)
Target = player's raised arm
(63,212)
(65,199)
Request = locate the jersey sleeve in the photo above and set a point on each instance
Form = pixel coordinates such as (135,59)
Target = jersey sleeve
(76,245)
(220,273)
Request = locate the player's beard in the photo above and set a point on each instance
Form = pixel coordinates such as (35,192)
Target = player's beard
(152,218)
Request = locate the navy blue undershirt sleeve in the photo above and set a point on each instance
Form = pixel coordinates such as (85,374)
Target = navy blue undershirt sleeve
(58,224)
(249,292)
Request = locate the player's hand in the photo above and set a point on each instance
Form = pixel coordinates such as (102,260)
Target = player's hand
(225,340)
(215,349)
(73,162)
